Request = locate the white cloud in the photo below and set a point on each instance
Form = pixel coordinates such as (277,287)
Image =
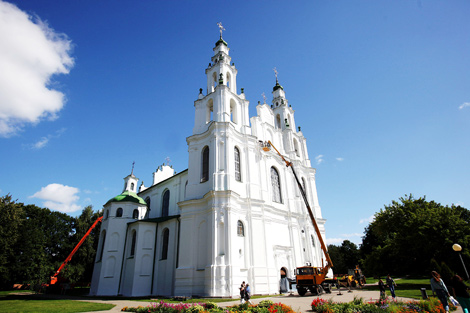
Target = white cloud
(353,237)
(339,159)
(41,143)
(59,197)
(319,158)
(332,241)
(30,54)
(464,105)
(370,219)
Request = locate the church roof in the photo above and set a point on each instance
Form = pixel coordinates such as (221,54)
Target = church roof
(127,196)
(221,41)
(277,86)
(157,219)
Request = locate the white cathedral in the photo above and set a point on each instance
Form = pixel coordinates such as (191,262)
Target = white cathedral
(234,215)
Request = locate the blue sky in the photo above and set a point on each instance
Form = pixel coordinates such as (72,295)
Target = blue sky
(381,90)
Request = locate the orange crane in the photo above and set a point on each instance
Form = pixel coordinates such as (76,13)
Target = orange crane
(308,277)
(67,260)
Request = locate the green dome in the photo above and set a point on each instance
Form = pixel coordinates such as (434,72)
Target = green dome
(277,86)
(127,196)
(221,41)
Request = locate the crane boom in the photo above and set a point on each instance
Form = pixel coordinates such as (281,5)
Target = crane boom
(329,263)
(67,260)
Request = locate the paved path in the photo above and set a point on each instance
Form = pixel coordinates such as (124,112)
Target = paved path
(298,304)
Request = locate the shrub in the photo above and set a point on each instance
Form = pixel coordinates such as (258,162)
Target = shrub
(265,303)
(210,305)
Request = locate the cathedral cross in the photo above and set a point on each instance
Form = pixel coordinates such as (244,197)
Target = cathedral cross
(264,97)
(132,171)
(221,28)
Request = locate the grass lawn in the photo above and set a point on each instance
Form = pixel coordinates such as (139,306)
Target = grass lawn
(25,301)
(407,288)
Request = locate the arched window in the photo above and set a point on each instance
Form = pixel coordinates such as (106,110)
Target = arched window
(166,236)
(238,176)
(185,188)
(214,80)
(278,120)
(106,214)
(165,203)
(240,229)
(209,110)
(228,79)
(132,186)
(147,213)
(233,112)
(313,240)
(134,238)
(304,185)
(296,148)
(103,239)
(119,212)
(135,214)
(205,164)
(276,185)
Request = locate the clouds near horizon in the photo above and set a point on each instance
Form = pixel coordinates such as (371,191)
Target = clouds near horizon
(319,159)
(30,54)
(464,105)
(59,197)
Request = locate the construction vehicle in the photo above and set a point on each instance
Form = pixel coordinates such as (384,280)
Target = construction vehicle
(54,278)
(308,277)
(353,279)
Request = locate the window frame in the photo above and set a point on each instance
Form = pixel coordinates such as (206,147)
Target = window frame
(240,229)
(276,185)
(165,244)
(166,203)
(237,161)
(205,164)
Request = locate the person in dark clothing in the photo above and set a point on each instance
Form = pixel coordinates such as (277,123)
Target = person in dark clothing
(391,285)
(242,293)
(382,289)
(438,286)
(459,291)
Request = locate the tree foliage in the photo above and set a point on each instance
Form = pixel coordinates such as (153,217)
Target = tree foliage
(35,241)
(406,235)
(344,257)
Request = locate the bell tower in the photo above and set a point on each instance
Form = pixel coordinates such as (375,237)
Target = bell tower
(221,103)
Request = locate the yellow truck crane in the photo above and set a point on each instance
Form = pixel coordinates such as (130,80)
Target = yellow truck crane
(309,277)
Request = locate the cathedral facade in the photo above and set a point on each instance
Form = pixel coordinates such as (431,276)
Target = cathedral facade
(234,215)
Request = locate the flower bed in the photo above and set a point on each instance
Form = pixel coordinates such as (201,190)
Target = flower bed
(265,306)
(433,305)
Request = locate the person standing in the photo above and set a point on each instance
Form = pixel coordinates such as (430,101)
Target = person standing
(248,294)
(459,290)
(438,287)
(391,285)
(382,289)
(242,293)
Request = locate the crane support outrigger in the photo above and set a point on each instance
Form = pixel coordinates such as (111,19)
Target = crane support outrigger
(308,277)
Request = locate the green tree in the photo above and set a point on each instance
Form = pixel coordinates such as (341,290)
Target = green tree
(11,218)
(43,243)
(344,257)
(80,268)
(337,258)
(407,234)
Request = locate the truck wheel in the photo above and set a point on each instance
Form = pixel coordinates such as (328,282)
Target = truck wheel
(302,291)
(327,288)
